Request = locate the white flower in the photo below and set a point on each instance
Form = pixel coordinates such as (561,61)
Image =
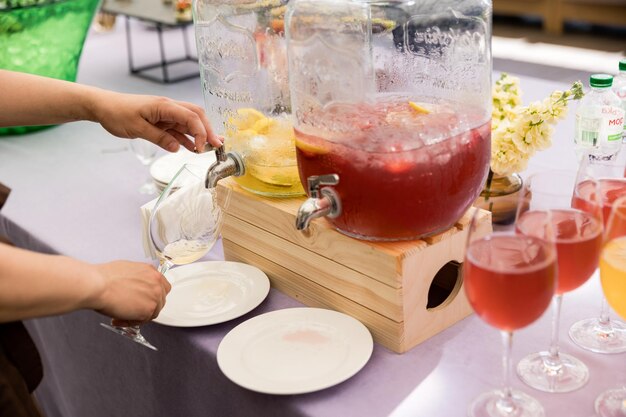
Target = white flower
(506,157)
(518,132)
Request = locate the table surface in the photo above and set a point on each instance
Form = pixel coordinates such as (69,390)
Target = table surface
(148,10)
(75,193)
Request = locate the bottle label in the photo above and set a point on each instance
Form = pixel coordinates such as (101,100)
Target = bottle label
(620,91)
(587,130)
(623,97)
(602,128)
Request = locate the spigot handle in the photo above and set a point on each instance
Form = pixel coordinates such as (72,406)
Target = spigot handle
(220,153)
(314,183)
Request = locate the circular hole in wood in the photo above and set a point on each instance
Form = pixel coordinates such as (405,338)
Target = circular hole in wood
(445,285)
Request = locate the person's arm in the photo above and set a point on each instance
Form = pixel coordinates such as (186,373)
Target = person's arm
(36,285)
(27,99)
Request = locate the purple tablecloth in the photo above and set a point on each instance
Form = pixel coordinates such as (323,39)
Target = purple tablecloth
(75,193)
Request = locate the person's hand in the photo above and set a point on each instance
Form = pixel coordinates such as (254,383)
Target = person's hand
(160,120)
(132,292)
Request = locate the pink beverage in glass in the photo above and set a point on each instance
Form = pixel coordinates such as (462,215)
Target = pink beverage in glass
(509,279)
(578,237)
(610,189)
(403,173)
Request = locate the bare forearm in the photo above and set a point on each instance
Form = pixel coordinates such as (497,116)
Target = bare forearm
(34,285)
(32,100)
(27,99)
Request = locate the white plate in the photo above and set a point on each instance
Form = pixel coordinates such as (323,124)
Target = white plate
(294,351)
(207,293)
(165,167)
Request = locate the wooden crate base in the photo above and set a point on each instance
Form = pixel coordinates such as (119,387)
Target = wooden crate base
(404,292)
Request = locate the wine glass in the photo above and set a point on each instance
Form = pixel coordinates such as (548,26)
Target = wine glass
(578,237)
(509,280)
(186,220)
(612,403)
(146,152)
(600,334)
(184,225)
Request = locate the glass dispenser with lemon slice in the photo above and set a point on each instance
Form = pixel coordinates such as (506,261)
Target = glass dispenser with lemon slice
(243,63)
(392,109)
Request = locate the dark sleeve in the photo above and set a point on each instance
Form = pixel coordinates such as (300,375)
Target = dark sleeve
(20,371)
(4,194)
(20,364)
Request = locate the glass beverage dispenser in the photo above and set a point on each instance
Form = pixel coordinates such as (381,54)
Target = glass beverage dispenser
(392,108)
(243,64)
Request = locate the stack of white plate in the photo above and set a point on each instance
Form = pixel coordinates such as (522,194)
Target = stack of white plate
(163,169)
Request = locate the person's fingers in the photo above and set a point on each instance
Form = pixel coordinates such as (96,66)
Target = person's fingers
(159,306)
(124,323)
(165,125)
(160,137)
(190,120)
(166,285)
(212,138)
(182,139)
(165,288)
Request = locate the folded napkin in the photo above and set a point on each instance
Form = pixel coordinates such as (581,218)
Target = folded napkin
(190,213)
(165,167)
(146,210)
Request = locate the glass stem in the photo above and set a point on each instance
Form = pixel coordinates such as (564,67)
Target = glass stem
(553,361)
(506,403)
(164,266)
(605,321)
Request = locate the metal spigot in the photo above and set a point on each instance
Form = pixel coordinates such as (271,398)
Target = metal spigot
(324,202)
(225,165)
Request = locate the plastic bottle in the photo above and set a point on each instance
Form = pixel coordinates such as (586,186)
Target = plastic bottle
(599,120)
(619,88)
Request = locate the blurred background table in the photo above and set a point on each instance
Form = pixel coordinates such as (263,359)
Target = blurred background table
(163,17)
(555,14)
(75,193)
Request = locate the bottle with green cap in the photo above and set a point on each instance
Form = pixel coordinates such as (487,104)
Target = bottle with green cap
(599,120)
(619,88)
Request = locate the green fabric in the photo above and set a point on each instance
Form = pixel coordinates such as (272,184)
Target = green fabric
(44,38)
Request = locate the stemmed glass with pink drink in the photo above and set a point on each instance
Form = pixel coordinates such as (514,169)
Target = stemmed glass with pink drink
(577,234)
(509,280)
(600,334)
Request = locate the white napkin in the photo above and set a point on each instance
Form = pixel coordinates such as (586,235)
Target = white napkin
(191,211)
(146,210)
(165,167)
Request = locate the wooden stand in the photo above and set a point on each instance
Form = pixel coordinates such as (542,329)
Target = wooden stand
(404,292)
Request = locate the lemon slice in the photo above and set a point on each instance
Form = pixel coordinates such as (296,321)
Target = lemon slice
(262,126)
(277,176)
(615,253)
(278,11)
(310,148)
(417,108)
(245,118)
(385,23)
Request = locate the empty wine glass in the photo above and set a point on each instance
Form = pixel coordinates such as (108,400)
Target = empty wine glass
(612,403)
(509,280)
(184,225)
(146,152)
(577,233)
(186,220)
(601,334)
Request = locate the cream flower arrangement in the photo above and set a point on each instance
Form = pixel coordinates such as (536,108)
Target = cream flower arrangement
(517,132)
